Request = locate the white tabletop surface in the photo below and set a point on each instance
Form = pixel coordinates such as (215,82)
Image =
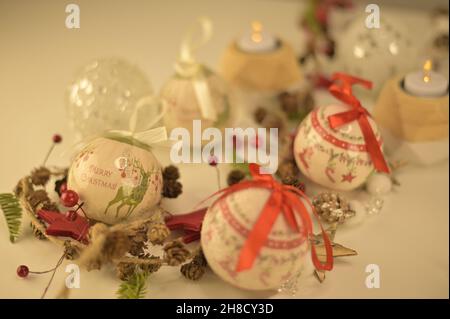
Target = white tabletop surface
(38,57)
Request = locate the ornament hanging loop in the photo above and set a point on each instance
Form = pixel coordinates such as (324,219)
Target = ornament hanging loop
(188,67)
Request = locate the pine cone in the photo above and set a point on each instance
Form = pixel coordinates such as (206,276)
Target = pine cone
(199,258)
(272,121)
(52,206)
(172,188)
(36,198)
(332,207)
(71,252)
(138,242)
(294,182)
(235,176)
(36,232)
(175,253)
(307,102)
(289,102)
(151,267)
(192,271)
(287,171)
(171,172)
(125,270)
(158,234)
(40,176)
(260,114)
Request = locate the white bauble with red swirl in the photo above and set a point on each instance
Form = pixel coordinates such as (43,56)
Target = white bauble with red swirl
(334,158)
(118,179)
(226,228)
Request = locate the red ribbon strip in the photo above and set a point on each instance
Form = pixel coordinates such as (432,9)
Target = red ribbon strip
(358,113)
(285,199)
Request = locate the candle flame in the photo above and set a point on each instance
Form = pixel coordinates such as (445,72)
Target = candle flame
(427,67)
(256,31)
(257,26)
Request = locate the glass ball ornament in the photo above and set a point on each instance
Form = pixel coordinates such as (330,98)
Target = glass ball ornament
(360,50)
(103,95)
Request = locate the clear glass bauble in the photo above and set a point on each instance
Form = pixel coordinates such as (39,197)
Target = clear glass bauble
(103,95)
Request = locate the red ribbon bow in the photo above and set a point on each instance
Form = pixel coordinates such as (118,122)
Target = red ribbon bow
(285,199)
(358,113)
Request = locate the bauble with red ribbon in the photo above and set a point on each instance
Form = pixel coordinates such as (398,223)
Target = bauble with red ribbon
(339,145)
(256,234)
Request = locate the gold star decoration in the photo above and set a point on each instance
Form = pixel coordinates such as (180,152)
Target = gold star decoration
(338,250)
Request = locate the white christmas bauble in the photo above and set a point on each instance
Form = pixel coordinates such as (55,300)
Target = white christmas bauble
(379,184)
(334,158)
(118,179)
(225,229)
(104,94)
(183,105)
(360,49)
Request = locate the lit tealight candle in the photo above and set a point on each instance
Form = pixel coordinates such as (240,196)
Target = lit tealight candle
(426,82)
(258,40)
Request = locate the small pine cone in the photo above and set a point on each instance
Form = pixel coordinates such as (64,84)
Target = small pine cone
(137,248)
(171,172)
(235,176)
(332,207)
(158,233)
(289,102)
(172,188)
(153,266)
(125,270)
(116,245)
(175,253)
(71,251)
(307,102)
(294,182)
(58,185)
(36,198)
(273,121)
(52,206)
(199,258)
(192,271)
(138,242)
(37,233)
(287,171)
(260,114)
(40,176)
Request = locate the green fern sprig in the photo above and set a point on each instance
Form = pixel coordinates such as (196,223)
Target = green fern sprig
(135,287)
(12,210)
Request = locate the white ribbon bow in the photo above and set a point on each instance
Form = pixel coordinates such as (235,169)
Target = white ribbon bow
(187,66)
(149,136)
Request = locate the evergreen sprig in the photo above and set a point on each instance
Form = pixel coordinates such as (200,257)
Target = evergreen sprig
(135,287)
(12,210)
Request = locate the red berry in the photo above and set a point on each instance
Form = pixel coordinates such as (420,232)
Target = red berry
(71,215)
(57,138)
(69,198)
(22,271)
(212,160)
(63,188)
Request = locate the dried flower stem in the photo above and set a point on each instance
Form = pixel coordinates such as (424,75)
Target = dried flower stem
(53,274)
(48,154)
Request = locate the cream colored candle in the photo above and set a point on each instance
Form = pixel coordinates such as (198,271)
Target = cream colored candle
(426,83)
(257,40)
